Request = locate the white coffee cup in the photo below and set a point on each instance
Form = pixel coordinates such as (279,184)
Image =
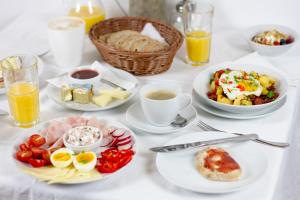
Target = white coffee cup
(163,112)
(66,37)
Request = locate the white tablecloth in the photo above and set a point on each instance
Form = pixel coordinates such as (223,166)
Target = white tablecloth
(142,181)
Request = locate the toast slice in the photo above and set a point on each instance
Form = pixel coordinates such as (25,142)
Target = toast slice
(216,164)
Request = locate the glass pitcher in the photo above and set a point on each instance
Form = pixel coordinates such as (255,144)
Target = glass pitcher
(91,11)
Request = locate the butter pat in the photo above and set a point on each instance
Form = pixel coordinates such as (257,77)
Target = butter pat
(66,93)
(102,100)
(116,93)
(82,95)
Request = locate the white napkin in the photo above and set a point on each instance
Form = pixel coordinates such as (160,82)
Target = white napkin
(112,77)
(107,75)
(58,81)
(150,31)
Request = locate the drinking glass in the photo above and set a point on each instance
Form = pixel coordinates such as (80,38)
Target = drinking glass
(22,89)
(197,20)
(91,11)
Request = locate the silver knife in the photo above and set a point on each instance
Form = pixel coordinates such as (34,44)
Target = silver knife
(178,147)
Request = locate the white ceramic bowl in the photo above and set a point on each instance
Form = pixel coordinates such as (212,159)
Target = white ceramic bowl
(201,86)
(93,80)
(268,50)
(78,149)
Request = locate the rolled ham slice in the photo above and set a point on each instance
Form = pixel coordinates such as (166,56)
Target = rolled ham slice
(55,131)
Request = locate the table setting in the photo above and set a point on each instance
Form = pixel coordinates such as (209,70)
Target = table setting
(153,100)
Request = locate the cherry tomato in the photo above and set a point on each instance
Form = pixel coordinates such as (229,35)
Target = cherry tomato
(37,162)
(24,156)
(24,147)
(36,152)
(111,155)
(124,160)
(46,156)
(36,140)
(105,166)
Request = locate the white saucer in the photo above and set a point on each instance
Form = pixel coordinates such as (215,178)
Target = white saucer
(40,65)
(221,113)
(136,118)
(179,167)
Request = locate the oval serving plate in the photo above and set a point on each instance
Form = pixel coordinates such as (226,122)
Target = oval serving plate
(53,93)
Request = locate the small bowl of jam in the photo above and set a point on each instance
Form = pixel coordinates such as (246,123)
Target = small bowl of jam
(84,75)
(271,40)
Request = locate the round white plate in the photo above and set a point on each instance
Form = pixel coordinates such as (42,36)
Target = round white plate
(24,136)
(201,86)
(136,118)
(40,65)
(179,167)
(53,93)
(198,102)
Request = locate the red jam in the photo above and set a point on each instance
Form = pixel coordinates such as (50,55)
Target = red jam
(225,163)
(84,74)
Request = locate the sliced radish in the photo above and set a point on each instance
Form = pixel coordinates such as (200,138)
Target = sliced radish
(125,147)
(124,142)
(124,137)
(106,141)
(119,132)
(112,129)
(114,143)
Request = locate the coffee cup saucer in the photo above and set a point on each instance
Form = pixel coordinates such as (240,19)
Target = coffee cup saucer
(136,118)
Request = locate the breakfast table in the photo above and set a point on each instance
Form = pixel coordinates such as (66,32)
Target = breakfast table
(142,180)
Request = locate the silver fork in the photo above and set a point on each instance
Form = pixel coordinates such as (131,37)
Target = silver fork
(207,127)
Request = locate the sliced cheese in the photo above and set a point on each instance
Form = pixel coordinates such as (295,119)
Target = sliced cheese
(47,173)
(116,93)
(62,175)
(102,100)
(83,177)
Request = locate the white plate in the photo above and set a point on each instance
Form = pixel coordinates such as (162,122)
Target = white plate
(40,65)
(53,93)
(136,118)
(24,136)
(179,168)
(201,86)
(221,113)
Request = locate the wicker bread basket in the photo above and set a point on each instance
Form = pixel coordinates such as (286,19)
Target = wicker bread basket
(137,63)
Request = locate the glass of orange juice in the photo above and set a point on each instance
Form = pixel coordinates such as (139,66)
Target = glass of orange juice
(197,20)
(91,11)
(22,89)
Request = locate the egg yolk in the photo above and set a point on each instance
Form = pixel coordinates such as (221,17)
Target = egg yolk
(248,85)
(84,158)
(62,156)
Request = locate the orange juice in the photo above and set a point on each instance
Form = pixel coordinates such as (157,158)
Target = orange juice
(23,98)
(198,47)
(90,14)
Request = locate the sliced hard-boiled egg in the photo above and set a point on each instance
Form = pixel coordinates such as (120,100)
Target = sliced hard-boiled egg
(85,161)
(62,157)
